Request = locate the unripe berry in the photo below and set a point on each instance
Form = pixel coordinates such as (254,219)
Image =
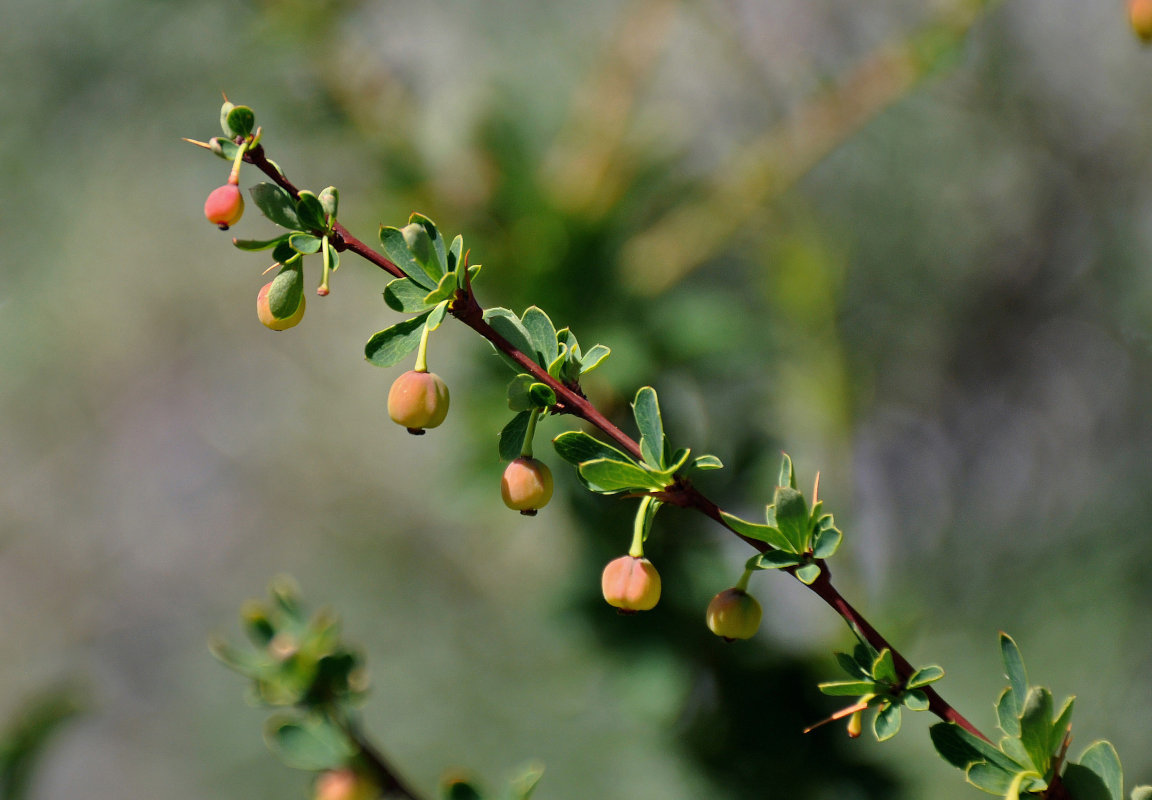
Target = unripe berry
(526,485)
(224,206)
(1140,17)
(270,320)
(418,400)
(733,614)
(344,784)
(631,584)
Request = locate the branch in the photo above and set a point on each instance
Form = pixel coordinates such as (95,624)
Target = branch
(570,400)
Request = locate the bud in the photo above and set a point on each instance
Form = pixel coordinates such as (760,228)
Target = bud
(224,206)
(526,485)
(733,614)
(1140,17)
(418,400)
(631,584)
(270,320)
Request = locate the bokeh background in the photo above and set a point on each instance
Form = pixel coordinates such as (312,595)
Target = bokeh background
(906,242)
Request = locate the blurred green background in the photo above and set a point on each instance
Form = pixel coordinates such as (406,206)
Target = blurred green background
(923,272)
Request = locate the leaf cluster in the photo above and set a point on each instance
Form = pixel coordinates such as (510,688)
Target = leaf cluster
(798,536)
(874,678)
(1028,759)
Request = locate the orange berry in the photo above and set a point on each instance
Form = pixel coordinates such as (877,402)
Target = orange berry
(344,784)
(224,206)
(631,584)
(733,614)
(1140,17)
(526,485)
(270,320)
(418,400)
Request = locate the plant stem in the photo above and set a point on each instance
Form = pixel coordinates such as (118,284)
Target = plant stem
(570,400)
(385,776)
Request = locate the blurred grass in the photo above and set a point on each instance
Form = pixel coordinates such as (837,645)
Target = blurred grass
(948,316)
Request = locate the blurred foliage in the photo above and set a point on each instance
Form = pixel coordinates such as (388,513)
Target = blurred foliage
(934,287)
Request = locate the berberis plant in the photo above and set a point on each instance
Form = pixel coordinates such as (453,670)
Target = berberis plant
(298,661)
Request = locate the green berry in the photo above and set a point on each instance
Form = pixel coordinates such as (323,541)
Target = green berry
(526,485)
(270,320)
(734,614)
(418,400)
(631,584)
(224,206)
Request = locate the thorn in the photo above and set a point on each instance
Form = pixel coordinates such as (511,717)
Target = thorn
(816,489)
(205,145)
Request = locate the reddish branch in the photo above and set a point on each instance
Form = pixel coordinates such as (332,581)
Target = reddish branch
(571,401)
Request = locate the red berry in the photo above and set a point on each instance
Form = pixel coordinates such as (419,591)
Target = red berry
(344,784)
(631,584)
(270,320)
(734,614)
(224,206)
(526,485)
(418,400)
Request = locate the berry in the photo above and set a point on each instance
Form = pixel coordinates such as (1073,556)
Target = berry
(526,485)
(733,614)
(270,320)
(418,400)
(224,206)
(344,784)
(1140,17)
(631,584)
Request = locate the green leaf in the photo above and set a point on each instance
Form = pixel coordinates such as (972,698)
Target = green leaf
(508,325)
(679,459)
(446,290)
(991,778)
(252,245)
(396,249)
(225,148)
(276,204)
(419,241)
(240,121)
(886,723)
(884,667)
(437,240)
(287,290)
(1014,671)
(405,296)
(848,688)
(542,334)
(594,358)
(304,243)
(518,397)
(1061,725)
(708,461)
(24,741)
(456,254)
(1083,783)
(776,559)
(924,676)
(1006,714)
(1036,727)
(915,700)
(329,201)
(609,476)
(825,542)
(512,436)
(646,409)
(459,789)
(850,665)
(388,346)
(1101,758)
(541,395)
(787,477)
(807,573)
(310,211)
(310,743)
(524,784)
(437,315)
(792,517)
(761,533)
(960,748)
(576,447)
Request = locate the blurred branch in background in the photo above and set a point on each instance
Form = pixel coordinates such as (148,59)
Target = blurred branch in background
(23,742)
